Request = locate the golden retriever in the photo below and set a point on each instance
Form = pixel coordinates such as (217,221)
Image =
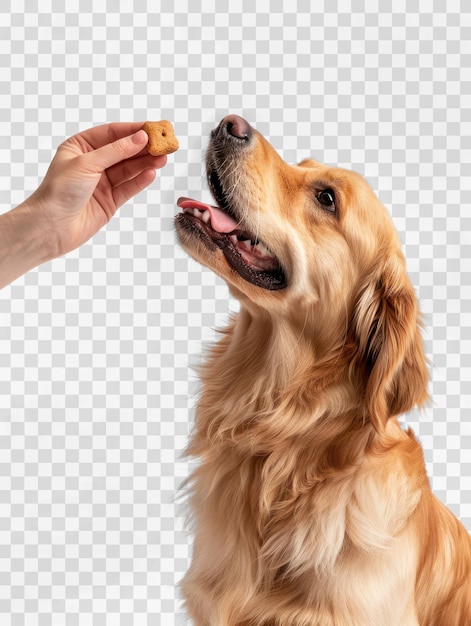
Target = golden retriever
(311,505)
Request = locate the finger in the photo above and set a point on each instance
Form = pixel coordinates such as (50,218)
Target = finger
(130,188)
(120,173)
(99,136)
(100,159)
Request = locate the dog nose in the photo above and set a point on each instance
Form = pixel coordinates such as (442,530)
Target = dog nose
(234,126)
(237,127)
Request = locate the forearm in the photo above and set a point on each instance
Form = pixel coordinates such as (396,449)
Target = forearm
(24,242)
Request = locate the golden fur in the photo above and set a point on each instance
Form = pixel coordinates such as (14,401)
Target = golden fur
(311,505)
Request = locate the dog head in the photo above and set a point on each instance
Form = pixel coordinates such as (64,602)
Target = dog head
(313,245)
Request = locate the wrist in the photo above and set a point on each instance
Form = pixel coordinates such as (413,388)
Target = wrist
(25,241)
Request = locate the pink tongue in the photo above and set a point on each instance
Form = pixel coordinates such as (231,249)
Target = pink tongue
(220,221)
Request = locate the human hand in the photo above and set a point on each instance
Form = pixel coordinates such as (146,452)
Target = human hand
(92,174)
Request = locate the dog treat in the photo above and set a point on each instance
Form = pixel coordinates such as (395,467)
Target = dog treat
(162,138)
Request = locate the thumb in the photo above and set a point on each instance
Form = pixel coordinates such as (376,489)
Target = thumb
(112,153)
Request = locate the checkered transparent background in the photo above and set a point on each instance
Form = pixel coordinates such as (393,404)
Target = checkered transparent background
(95,348)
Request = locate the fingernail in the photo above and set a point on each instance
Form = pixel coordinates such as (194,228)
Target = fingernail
(139,137)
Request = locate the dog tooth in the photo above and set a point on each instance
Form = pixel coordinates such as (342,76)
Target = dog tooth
(206,216)
(263,250)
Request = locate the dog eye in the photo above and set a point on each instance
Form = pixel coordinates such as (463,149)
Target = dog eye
(327,199)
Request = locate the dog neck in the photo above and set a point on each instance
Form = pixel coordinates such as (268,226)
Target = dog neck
(268,379)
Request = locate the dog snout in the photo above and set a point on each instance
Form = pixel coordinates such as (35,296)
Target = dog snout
(233,126)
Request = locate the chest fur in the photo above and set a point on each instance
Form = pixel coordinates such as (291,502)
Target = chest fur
(290,522)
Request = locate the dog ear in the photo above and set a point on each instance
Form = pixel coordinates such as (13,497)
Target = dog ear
(387,331)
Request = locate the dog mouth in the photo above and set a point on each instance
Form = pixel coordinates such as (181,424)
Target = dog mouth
(218,226)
